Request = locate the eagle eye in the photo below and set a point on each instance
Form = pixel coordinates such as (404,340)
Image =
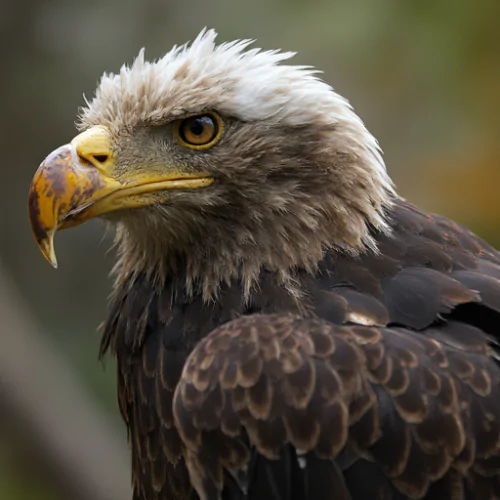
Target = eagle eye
(199,131)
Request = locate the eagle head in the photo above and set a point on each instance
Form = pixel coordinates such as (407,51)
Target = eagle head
(218,161)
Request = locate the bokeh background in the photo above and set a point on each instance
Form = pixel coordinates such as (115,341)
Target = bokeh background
(424,76)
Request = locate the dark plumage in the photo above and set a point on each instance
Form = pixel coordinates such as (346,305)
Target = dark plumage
(286,326)
(407,407)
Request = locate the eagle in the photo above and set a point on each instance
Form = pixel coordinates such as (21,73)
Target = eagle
(286,326)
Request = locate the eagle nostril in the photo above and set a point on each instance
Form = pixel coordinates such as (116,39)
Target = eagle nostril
(100,158)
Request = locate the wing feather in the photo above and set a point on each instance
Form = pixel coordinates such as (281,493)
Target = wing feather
(404,402)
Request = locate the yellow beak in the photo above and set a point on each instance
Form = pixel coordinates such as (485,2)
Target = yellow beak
(76,183)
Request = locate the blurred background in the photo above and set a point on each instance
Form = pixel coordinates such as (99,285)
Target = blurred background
(424,76)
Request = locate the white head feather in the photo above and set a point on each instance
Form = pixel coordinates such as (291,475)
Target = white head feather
(247,84)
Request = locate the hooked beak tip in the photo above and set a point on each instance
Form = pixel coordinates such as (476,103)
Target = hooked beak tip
(46,246)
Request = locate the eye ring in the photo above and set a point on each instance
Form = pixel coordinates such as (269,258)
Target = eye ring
(200,131)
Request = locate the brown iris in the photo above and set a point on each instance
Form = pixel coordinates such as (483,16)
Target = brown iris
(199,131)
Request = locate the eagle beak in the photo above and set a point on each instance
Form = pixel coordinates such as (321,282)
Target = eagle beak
(76,182)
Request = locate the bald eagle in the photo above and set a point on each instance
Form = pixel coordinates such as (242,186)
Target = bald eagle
(286,326)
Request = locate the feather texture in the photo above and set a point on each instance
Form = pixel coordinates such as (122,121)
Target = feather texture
(380,381)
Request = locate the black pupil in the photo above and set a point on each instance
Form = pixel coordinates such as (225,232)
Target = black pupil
(197,126)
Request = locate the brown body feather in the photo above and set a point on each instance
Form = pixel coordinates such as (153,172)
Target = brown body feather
(379,382)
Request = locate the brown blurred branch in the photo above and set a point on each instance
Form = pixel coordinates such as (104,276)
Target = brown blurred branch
(51,411)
